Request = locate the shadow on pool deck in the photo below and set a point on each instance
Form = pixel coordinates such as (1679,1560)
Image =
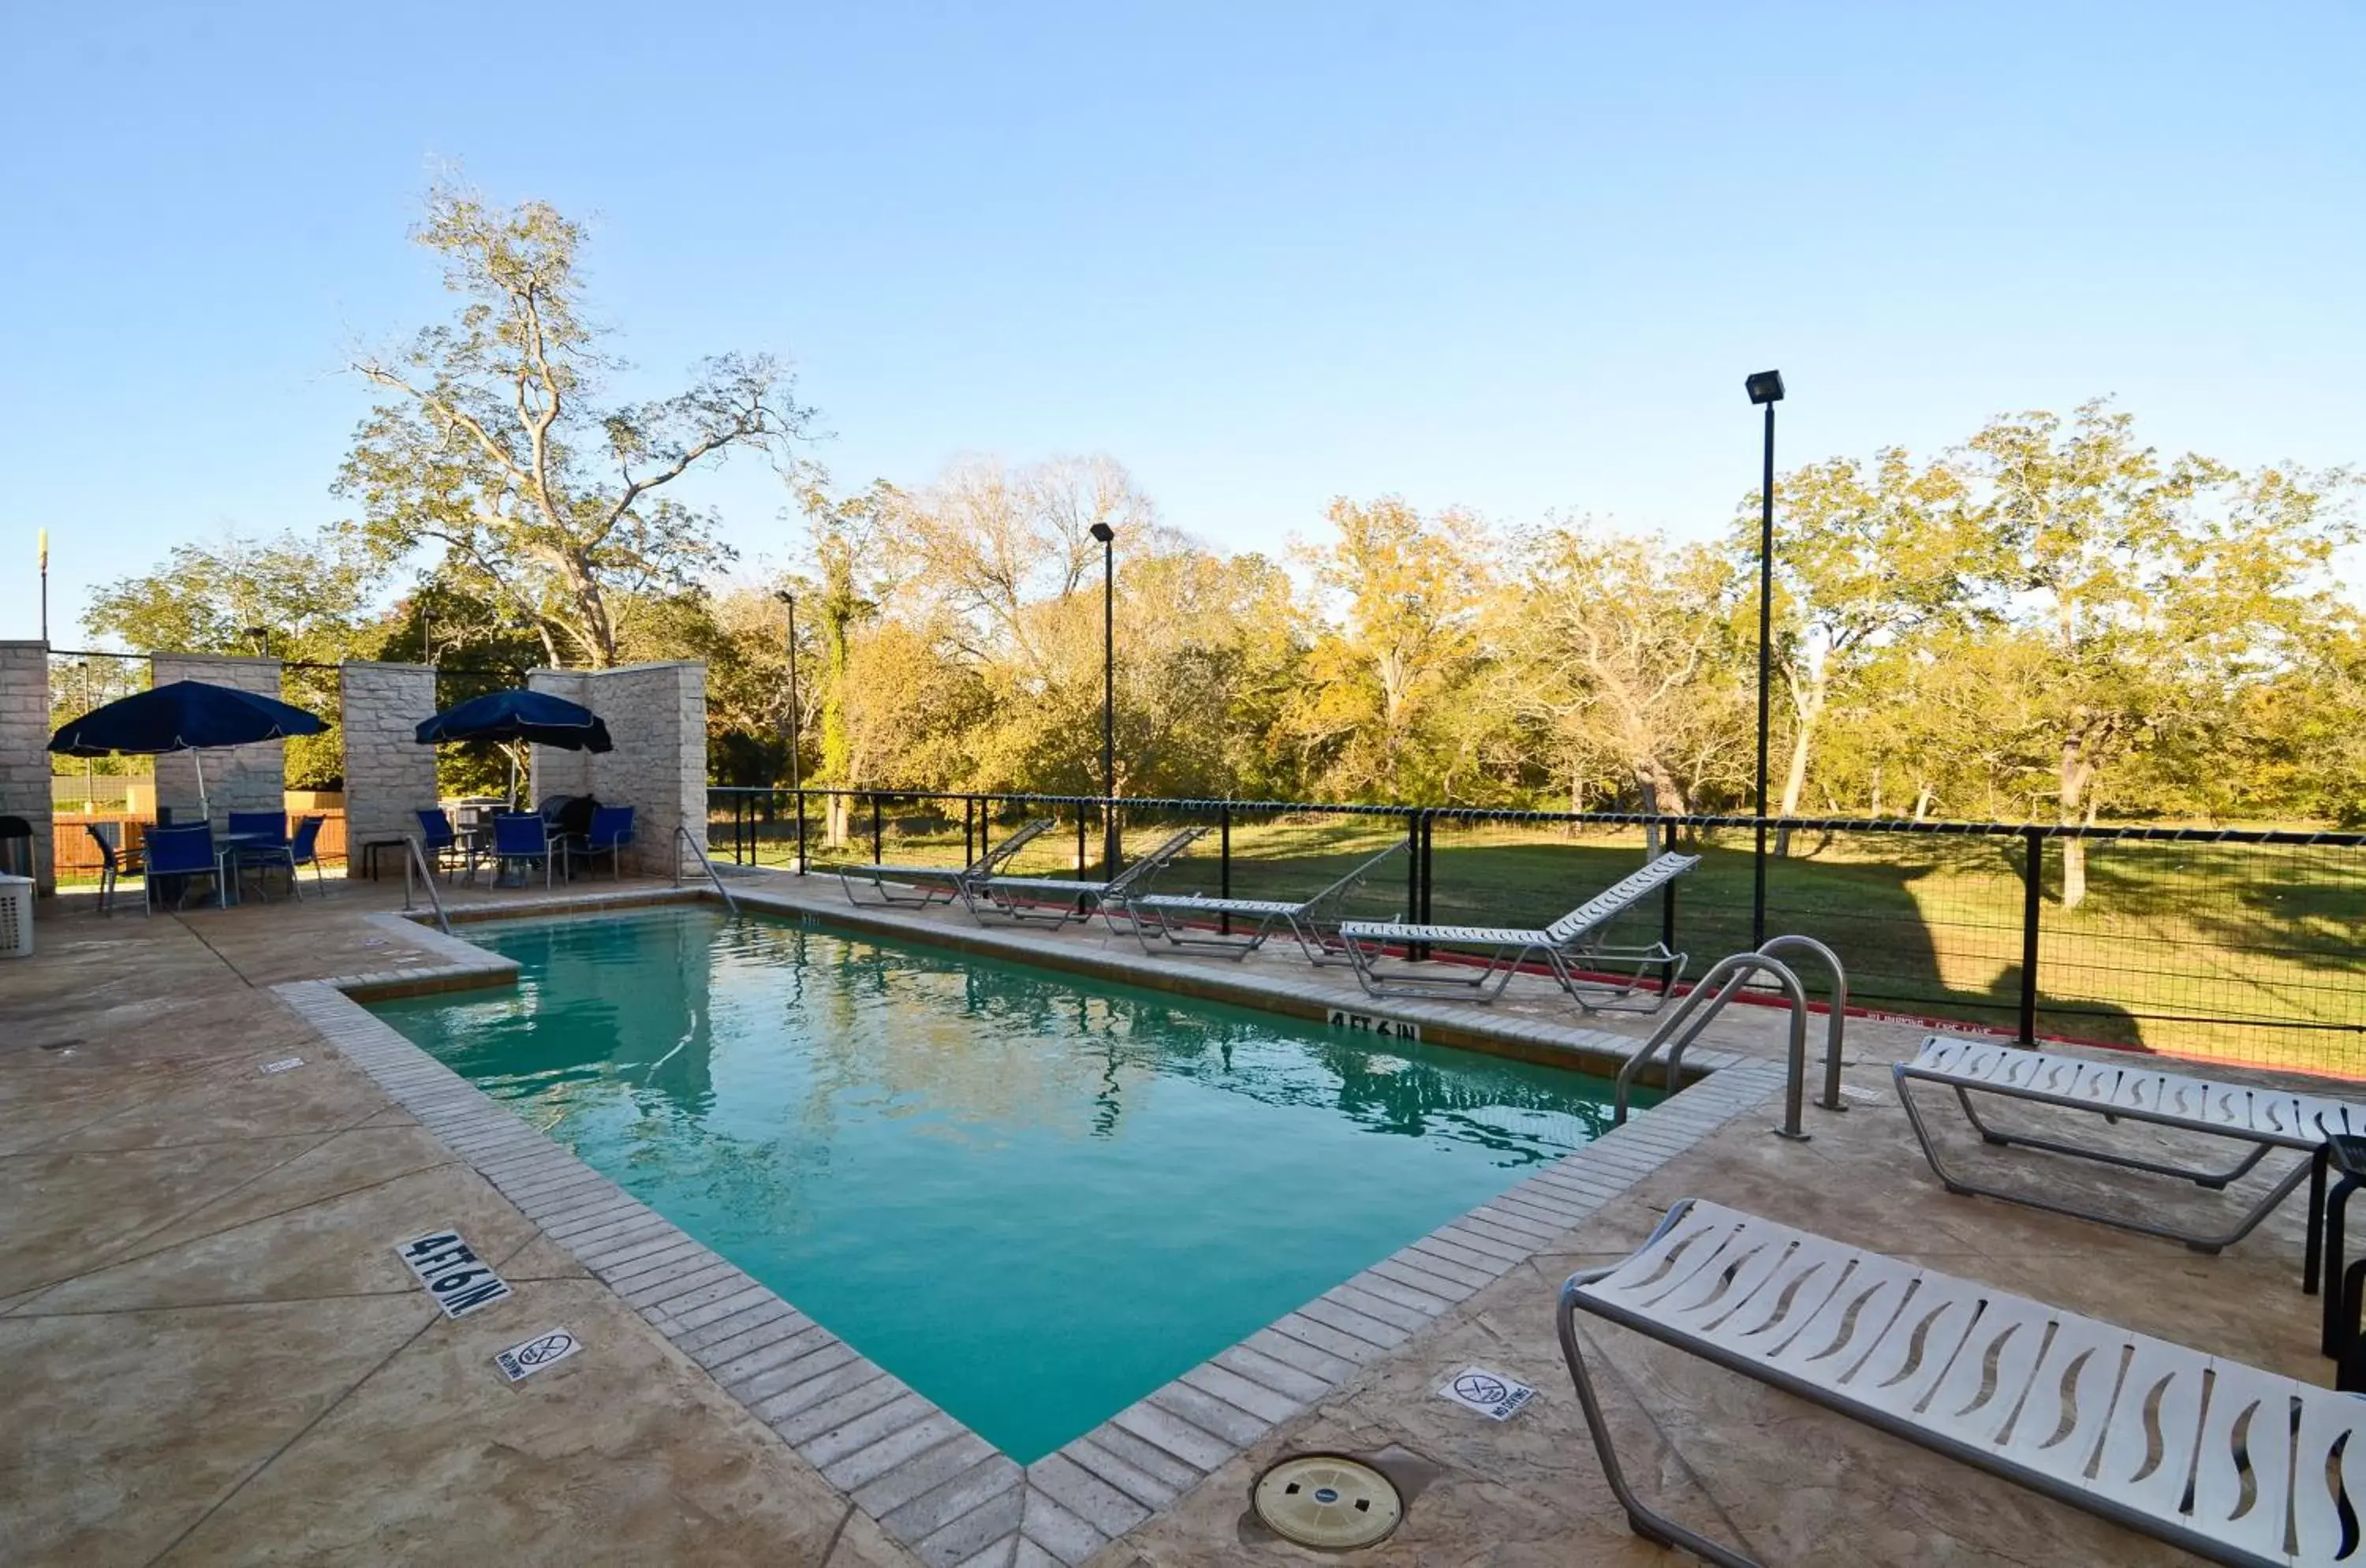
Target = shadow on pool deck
(215,1357)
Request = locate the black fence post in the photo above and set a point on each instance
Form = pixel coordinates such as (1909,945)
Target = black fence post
(878,834)
(969,829)
(1112,839)
(1667,919)
(1080,844)
(1224,864)
(1428,865)
(1412,873)
(2033,890)
(799,796)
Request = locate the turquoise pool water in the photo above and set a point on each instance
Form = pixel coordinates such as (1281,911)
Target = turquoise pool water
(1033,1197)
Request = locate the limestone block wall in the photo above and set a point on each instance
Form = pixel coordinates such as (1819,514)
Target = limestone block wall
(389,775)
(242,778)
(656,715)
(555,771)
(24,735)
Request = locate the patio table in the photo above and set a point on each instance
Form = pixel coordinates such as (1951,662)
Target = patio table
(226,850)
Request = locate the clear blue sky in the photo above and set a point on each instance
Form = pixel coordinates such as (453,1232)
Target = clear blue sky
(1518,258)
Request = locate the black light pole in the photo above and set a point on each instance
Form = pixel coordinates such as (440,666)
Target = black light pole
(1766,390)
(1108,536)
(797,777)
(261,637)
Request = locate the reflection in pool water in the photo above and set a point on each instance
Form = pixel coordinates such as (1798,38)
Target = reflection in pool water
(1034,1198)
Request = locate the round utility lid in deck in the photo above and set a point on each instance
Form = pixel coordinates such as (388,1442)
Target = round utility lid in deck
(1328,1501)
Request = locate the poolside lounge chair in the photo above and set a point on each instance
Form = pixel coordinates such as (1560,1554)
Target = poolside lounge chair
(1188,920)
(1056,901)
(2235,1464)
(2266,1120)
(173,856)
(1573,940)
(921,885)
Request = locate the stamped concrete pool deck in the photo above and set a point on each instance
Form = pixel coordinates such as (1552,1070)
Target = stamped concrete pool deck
(216,1356)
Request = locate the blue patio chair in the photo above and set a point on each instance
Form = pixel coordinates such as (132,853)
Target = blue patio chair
(439,842)
(175,856)
(297,851)
(521,835)
(611,833)
(114,859)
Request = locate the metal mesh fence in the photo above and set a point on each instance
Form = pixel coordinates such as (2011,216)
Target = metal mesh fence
(2224,944)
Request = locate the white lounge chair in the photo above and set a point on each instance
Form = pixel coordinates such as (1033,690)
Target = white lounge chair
(1188,920)
(1573,940)
(2133,1090)
(2235,1464)
(1056,901)
(918,886)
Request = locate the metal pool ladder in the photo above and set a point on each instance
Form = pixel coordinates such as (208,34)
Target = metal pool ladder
(412,856)
(1724,981)
(682,836)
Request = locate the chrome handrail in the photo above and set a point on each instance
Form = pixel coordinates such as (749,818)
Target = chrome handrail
(412,853)
(1733,970)
(682,836)
(1832,1031)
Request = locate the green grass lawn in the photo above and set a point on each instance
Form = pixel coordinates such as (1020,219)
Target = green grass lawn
(2232,953)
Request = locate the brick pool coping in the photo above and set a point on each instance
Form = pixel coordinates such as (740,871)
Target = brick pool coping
(929,1480)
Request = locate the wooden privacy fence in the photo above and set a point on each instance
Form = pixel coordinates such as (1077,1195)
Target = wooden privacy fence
(77,857)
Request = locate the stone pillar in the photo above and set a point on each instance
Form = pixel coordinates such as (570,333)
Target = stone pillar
(656,715)
(24,756)
(240,778)
(389,775)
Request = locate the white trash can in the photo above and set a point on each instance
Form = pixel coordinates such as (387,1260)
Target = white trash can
(16,917)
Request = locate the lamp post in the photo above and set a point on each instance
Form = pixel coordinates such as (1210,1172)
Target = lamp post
(1765,389)
(261,637)
(796,777)
(1108,536)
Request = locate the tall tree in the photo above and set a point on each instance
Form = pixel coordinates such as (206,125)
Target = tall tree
(494,441)
(310,598)
(1862,557)
(1628,662)
(1408,591)
(2156,586)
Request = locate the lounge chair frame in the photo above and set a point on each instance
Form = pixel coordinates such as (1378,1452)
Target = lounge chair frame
(1313,921)
(1055,901)
(1949,1364)
(921,885)
(2266,1120)
(1572,941)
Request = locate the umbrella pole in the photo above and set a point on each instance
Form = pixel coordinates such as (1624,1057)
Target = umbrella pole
(205,811)
(513,750)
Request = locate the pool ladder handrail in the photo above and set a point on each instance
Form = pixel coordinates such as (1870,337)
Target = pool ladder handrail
(1709,997)
(682,836)
(412,854)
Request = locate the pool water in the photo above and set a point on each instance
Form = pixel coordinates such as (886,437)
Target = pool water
(1034,1197)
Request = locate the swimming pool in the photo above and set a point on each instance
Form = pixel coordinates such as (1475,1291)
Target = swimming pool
(1034,1197)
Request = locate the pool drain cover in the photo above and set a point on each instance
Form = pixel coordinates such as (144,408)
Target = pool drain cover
(1328,1501)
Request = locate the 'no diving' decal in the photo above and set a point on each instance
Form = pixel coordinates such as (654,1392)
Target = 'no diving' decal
(1490,1394)
(459,1280)
(521,1361)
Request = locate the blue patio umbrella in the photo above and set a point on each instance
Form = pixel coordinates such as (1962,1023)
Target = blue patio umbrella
(182,715)
(535,717)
